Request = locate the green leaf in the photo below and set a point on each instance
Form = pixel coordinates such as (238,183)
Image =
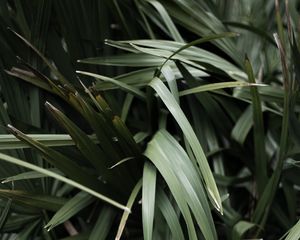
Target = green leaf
(9,141)
(29,77)
(60,161)
(69,209)
(165,206)
(48,63)
(294,232)
(130,60)
(88,148)
(34,200)
(148,199)
(129,205)
(199,41)
(167,20)
(184,181)
(104,223)
(216,86)
(26,232)
(187,130)
(18,162)
(80,236)
(263,207)
(259,136)
(240,228)
(29,175)
(135,91)
(171,80)
(193,56)
(5,213)
(243,126)
(16,223)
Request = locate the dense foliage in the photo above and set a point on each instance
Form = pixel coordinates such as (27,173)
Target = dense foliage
(149,119)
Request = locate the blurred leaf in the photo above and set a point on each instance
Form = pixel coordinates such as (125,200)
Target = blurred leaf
(240,229)
(9,141)
(130,59)
(26,232)
(243,126)
(104,223)
(29,175)
(34,200)
(17,222)
(215,86)
(294,232)
(5,213)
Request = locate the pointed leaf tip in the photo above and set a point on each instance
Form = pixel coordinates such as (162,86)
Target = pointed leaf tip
(50,106)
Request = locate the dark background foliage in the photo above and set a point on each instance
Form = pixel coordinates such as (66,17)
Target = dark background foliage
(249,135)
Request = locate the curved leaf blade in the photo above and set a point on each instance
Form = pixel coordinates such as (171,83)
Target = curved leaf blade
(188,131)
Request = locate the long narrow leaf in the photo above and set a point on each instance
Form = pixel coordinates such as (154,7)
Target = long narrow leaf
(259,138)
(169,214)
(148,199)
(135,91)
(294,232)
(182,121)
(216,86)
(9,141)
(104,223)
(69,209)
(183,180)
(129,205)
(21,163)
